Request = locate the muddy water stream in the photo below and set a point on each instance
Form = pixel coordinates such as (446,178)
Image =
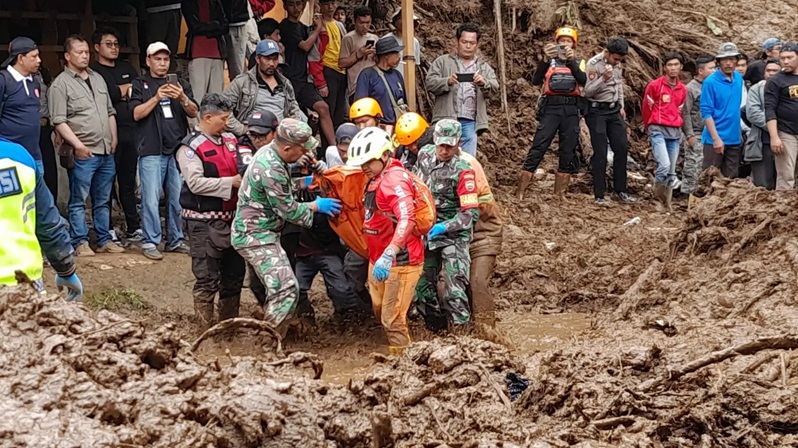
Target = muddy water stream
(529,332)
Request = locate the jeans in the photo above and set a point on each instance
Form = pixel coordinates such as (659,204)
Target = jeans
(156,172)
(91,176)
(666,151)
(468,141)
(39,167)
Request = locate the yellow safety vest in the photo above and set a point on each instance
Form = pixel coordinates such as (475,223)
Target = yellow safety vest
(19,247)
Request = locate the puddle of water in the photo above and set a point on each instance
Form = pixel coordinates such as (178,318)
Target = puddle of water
(534,332)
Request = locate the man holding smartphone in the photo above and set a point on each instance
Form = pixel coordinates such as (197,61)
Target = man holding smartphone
(162,105)
(562,77)
(460,82)
(357,50)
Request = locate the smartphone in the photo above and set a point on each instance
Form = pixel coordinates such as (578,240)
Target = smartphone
(465,77)
(171,78)
(370,43)
(562,50)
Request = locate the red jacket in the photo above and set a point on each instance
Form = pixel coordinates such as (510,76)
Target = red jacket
(662,104)
(391,216)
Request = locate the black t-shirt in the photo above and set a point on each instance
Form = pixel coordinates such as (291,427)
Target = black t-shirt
(122,73)
(172,130)
(781,101)
(296,60)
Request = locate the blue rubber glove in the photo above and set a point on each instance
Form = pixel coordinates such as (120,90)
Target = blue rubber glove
(328,206)
(73,286)
(382,268)
(437,229)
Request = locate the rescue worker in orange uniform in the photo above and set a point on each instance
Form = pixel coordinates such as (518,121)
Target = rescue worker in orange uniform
(562,77)
(412,133)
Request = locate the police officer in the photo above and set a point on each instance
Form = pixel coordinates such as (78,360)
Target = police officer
(453,185)
(29,218)
(209,162)
(606,118)
(261,127)
(562,76)
(266,203)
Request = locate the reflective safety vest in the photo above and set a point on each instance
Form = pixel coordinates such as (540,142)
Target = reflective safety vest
(218,160)
(560,81)
(19,248)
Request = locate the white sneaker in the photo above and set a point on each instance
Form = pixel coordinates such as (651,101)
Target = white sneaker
(114,238)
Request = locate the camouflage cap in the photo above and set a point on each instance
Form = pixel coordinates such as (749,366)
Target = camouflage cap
(447,132)
(296,132)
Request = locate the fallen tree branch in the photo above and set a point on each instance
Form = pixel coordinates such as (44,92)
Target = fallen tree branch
(612,422)
(298,358)
(784,342)
(416,397)
(235,324)
(766,292)
(747,239)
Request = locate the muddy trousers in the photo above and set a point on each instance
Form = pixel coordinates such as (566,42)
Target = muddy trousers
(551,121)
(607,125)
(215,270)
(289,242)
(693,160)
(390,301)
(339,290)
(481,299)
(272,267)
(453,263)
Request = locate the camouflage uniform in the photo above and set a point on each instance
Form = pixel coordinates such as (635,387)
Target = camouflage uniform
(453,185)
(693,126)
(265,203)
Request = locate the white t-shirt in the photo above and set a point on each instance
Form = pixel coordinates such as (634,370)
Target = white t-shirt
(333,158)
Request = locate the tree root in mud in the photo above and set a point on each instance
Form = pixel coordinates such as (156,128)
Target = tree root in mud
(230,325)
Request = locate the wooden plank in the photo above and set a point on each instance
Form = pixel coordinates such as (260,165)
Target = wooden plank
(409,53)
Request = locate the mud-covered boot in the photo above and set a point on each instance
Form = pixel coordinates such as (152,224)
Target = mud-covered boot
(228,307)
(663,195)
(561,182)
(203,314)
(524,180)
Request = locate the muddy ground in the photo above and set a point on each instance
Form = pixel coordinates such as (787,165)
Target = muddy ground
(678,331)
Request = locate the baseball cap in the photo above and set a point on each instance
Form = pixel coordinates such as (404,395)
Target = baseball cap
(267,47)
(18,46)
(728,50)
(345,133)
(262,122)
(447,132)
(770,42)
(157,47)
(388,44)
(790,46)
(296,132)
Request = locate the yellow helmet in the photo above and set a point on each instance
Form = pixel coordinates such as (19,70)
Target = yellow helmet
(409,128)
(567,31)
(365,107)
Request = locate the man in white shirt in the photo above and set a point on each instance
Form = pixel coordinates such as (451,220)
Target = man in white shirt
(396,21)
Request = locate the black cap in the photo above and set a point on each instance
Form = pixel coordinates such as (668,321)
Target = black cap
(18,46)
(790,46)
(388,44)
(262,122)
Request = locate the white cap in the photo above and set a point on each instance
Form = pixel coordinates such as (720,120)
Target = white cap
(157,47)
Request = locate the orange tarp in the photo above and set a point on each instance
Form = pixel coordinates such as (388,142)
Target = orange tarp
(347,184)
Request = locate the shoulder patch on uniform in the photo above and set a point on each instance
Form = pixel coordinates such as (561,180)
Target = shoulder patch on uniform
(9,182)
(189,153)
(591,75)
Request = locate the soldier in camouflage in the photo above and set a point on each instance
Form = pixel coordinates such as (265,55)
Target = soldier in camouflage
(265,203)
(453,185)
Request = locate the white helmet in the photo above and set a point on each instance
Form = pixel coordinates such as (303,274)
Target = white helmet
(367,145)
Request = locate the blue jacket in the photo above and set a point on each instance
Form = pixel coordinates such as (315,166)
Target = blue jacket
(20,112)
(721,99)
(51,228)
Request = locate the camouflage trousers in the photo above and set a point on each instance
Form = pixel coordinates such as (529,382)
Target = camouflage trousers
(453,263)
(274,270)
(693,159)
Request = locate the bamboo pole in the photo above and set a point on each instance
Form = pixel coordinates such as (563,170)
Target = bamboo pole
(409,58)
(497,10)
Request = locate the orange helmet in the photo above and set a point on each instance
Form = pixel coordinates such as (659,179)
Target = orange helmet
(365,107)
(409,128)
(567,31)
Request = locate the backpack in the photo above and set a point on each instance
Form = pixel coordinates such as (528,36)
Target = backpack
(560,81)
(426,214)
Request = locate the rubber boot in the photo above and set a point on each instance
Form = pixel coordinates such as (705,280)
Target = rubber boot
(561,181)
(203,314)
(524,180)
(228,307)
(663,195)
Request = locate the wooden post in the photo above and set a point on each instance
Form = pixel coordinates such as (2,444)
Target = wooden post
(497,10)
(408,34)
